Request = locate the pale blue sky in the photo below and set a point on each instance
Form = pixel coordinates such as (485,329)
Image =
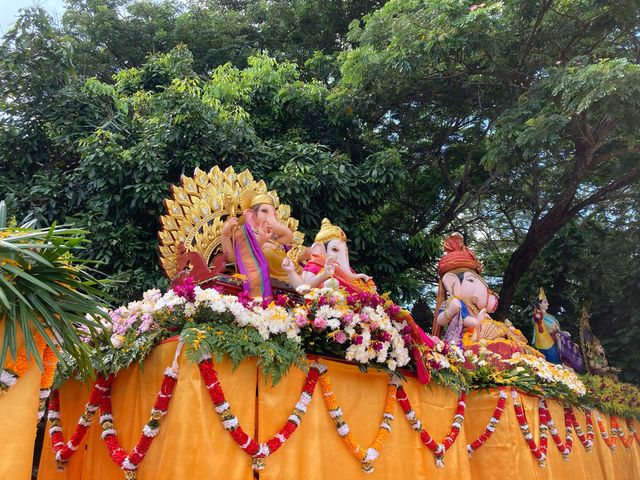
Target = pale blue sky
(9,10)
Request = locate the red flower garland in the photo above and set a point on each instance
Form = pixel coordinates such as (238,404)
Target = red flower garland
(587,441)
(545,417)
(129,462)
(438,449)
(491,426)
(64,451)
(632,429)
(539,452)
(258,451)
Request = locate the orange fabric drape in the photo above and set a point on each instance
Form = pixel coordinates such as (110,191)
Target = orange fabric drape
(192,443)
(18,417)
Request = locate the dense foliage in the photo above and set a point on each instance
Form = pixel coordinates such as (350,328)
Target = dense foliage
(515,123)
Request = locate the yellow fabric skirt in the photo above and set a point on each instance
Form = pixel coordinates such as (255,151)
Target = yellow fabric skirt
(192,443)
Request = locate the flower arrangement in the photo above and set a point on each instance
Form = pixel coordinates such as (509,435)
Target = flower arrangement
(611,396)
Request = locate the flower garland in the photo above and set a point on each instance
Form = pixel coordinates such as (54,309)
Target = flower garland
(366,456)
(258,451)
(545,417)
(539,452)
(129,463)
(633,431)
(616,431)
(610,441)
(587,441)
(49,362)
(438,449)
(491,426)
(64,451)
(13,370)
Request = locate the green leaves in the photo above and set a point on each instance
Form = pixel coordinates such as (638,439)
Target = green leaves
(45,290)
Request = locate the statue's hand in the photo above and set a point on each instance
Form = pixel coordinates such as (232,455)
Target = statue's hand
(363,277)
(330,265)
(228,226)
(483,315)
(288,265)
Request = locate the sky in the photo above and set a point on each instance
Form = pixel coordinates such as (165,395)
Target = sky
(9,10)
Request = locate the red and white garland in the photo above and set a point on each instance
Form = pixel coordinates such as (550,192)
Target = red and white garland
(586,440)
(491,426)
(258,451)
(64,451)
(539,452)
(128,463)
(609,441)
(545,418)
(438,449)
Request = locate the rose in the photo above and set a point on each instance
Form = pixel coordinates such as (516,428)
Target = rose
(340,336)
(301,320)
(320,323)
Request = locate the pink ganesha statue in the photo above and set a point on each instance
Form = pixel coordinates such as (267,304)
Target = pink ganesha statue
(468,304)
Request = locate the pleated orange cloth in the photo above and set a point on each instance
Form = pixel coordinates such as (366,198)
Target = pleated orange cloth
(192,443)
(18,417)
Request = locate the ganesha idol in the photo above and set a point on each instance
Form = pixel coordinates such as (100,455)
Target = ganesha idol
(329,266)
(465,312)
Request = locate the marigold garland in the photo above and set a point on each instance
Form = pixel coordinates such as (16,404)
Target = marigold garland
(491,426)
(539,452)
(633,431)
(15,369)
(129,463)
(438,449)
(609,441)
(616,431)
(366,456)
(545,417)
(258,451)
(49,362)
(64,451)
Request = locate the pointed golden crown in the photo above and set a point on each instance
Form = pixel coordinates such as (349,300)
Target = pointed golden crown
(200,205)
(330,232)
(542,295)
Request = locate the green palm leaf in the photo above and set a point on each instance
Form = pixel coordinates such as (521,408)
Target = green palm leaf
(45,289)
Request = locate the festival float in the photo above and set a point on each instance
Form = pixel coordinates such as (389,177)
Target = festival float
(270,359)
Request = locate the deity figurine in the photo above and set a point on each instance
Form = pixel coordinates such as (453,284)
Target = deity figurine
(468,305)
(556,345)
(330,259)
(257,244)
(594,356)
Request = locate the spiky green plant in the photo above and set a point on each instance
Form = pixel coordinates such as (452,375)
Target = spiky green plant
(45,289)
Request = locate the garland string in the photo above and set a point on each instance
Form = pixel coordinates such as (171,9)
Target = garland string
(545,417)
(616,431)
(64,451)
(586,440)
(129,463)
(609,441)
(539,452)
(366,456)
(491,426)
(438,448)
(257,451)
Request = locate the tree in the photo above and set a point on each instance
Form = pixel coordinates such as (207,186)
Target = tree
(482,100)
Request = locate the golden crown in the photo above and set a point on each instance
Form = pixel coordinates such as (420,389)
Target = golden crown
(251,198)
(330,232)
(541,294)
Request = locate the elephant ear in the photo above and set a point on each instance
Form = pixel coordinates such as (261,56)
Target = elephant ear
(318,249)
(451,283)
(250,217)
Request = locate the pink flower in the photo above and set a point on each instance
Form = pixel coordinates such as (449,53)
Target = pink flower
(377,346)
(385,336)
(186,289)
(281,300)
(364,317)
(357,340)
(347,318)
(301,320)
(320,323)
(340,336)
